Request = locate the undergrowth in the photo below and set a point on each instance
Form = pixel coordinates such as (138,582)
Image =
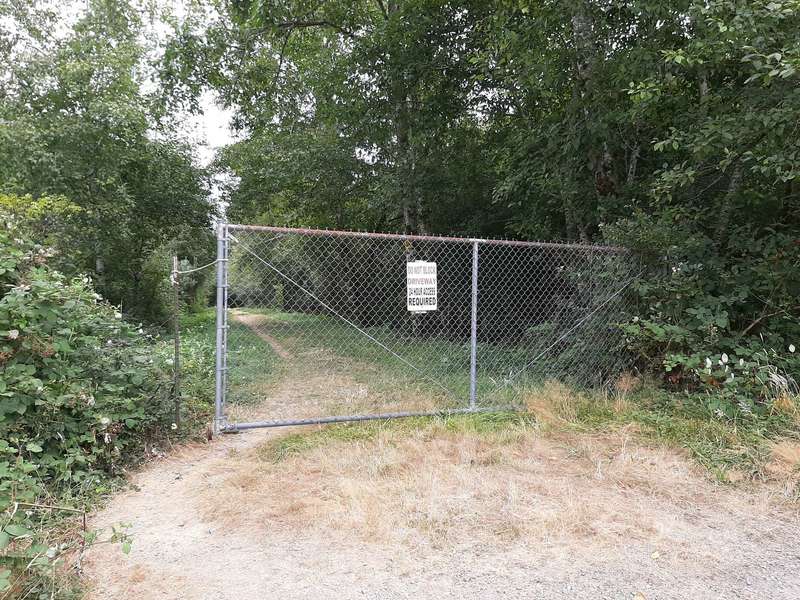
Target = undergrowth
(84,396)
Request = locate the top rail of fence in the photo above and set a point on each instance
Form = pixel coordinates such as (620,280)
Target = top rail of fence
(421,238)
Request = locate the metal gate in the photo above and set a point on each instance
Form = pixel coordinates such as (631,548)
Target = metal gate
(325,326)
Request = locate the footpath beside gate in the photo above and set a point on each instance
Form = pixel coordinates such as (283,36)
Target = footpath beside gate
(391,325)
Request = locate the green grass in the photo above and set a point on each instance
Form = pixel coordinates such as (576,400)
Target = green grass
(301,332)
(718,443)
(681,421)
(436,363)
(196,368)
(252,363)
(253,366)
(480,425)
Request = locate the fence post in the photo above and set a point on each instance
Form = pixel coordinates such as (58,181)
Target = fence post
(219,391)
(176,361)
(473,356)
(226,248)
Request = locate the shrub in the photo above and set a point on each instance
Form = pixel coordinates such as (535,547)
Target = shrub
(79,394)
(156,303)
(720,317)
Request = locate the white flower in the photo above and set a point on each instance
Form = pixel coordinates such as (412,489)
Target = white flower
(708,363)
(117,315)
(105,420)
(741,362)
(170,362)
(14,334)
(724,358)
(635,319)
(792,348)
(174,426)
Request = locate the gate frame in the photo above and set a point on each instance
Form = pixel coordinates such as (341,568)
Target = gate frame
(221,424)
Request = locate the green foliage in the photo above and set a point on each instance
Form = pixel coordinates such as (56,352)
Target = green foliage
(78,391)
(197,368)
(51,221)
(665,127)
(80,396)
(354,111)
(722,321)
(194,248)
(76,123)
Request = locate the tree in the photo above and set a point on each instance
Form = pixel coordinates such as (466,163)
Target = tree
(666,127)
(361,103)
(76,122)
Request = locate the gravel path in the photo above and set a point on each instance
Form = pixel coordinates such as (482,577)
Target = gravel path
(732,545)
(177,555)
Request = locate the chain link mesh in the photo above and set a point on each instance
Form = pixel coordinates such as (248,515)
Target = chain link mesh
(318,322)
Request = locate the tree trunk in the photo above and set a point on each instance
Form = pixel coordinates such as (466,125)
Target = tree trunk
(405,171)
(632,163)
(599,158)
(407,194)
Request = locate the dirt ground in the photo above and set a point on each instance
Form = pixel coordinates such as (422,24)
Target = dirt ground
(442,513)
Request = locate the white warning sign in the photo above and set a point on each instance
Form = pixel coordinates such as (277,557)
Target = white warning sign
(421,286)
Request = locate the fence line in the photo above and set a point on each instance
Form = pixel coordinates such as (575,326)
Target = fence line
(428,238)
(405,318)
(333,312)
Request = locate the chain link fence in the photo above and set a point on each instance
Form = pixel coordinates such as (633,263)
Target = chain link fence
(324,326)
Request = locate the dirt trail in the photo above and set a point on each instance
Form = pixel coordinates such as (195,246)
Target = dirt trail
(717,543)
(256,323)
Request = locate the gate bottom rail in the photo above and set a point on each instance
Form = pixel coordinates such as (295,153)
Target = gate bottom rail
(237,427)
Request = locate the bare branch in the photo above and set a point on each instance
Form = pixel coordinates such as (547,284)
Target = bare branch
(281,60)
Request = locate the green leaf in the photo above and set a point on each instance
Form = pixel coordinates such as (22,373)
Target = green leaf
(17,531)
(5,575)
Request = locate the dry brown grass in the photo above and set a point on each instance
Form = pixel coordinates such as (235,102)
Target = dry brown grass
(626,384)
(435,485)
(553,404)
(789,405)
(785,458)
(783,466)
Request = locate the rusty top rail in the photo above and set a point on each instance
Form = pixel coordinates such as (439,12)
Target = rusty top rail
(422,238)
